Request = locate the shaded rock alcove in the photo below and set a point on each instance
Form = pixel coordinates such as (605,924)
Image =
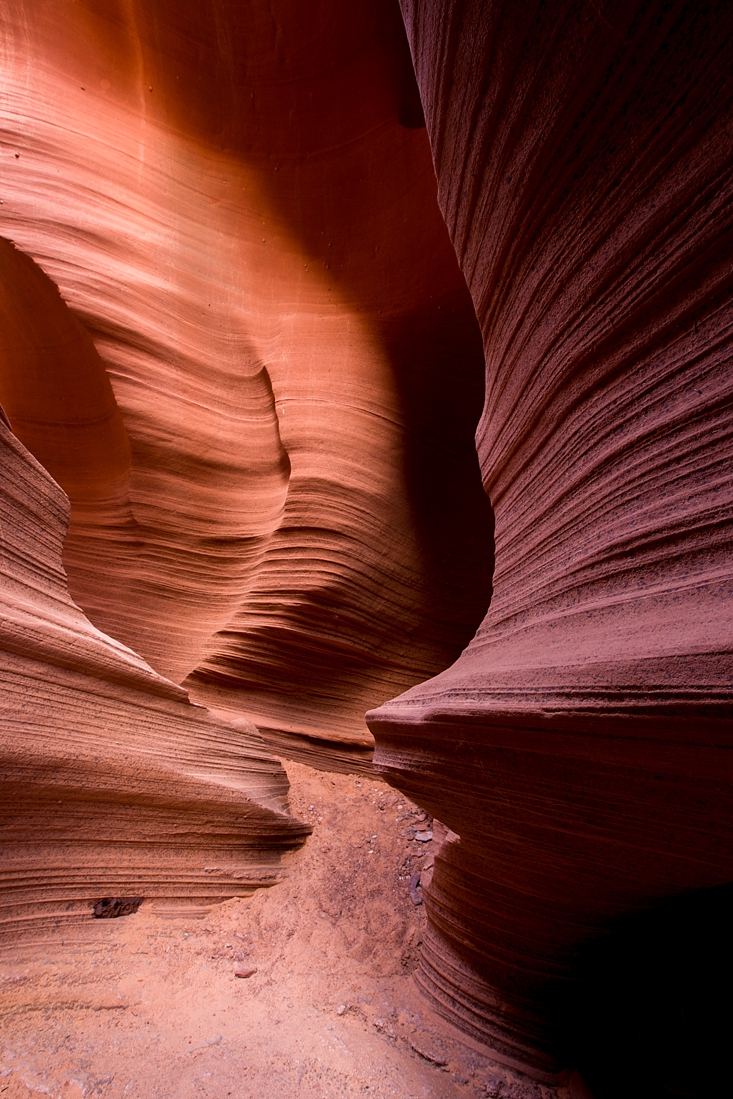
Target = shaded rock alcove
(650,1015)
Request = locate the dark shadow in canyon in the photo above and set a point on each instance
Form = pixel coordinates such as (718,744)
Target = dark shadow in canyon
(651,1015)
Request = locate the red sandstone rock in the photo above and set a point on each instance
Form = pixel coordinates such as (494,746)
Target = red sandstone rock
(285,504)
(258,385)
(579,749)
(113,783)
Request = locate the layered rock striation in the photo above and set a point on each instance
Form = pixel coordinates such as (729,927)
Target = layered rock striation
(113,783)
(240,335)
(579,749)
(267,354)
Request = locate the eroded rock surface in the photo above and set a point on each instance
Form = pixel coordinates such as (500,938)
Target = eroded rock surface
(276,494)
(235,331)
(579,748)
(113,783)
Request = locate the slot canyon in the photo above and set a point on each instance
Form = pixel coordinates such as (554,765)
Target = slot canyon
(366,508)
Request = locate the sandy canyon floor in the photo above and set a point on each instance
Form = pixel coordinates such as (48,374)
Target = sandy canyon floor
(148,1005)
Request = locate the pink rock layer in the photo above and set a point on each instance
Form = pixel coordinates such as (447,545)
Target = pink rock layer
(113,783)
(260,382)
(579,749)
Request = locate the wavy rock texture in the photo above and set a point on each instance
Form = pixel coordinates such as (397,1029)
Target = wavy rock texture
(579,749)
(113,783)
(268,357)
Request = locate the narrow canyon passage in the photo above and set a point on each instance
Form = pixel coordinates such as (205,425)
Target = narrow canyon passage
(331,1010)
(366,359)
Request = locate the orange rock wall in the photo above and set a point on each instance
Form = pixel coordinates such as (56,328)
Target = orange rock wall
(263,349)
(579,748)
(113,783)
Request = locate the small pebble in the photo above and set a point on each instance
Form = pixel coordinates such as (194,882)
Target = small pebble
(423,837)
(245,972)
(415,892)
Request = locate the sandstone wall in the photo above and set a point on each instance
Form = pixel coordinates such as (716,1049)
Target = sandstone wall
(237,331)
(113,783)
(268,358)
(579,749)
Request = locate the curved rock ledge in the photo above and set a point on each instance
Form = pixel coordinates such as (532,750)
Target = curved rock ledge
(113,783)
(580,746)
